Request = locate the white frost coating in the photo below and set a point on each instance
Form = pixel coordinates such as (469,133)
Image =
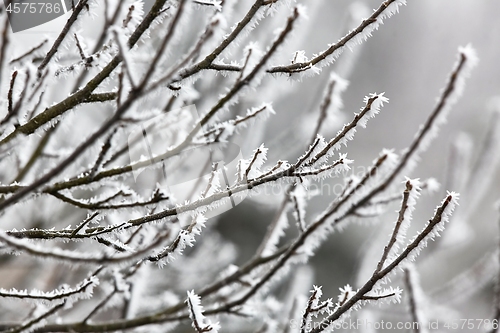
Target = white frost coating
(34,249)
(83,290)
(439,227)
(250,169)
(413,196)
(379,101)
(366,33)
(316,149)
(200,322)
(346,294)
(252,54)
(214,183)
(256,114)
(300,57)
(321,233)
(323,307)
(186,237)
(471,61)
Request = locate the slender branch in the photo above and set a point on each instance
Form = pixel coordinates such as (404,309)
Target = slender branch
(81,95)
(30,52)
(379,275)
(53,50)
(375,18)
(32,322)
(393,239)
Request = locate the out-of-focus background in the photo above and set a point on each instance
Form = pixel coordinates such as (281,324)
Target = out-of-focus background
(409,58)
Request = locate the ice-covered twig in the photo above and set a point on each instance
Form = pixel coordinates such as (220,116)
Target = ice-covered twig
(83,290)
(102,154)
(77,257)
(80,6)
(200,322)
(185,238)
(73,100)
(101,204)
(315,307)
(355,37)
(373,103)
(431,230)
(467,59)
(410,196)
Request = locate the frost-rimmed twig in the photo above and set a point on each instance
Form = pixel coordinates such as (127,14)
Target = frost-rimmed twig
(73,100)
(77,257)
(410,196)
(433,227)
(123,52)
(131,98)
(83,290)
(279,174)
(133,95)
(276,229)
(157,197)
(82,4)
(199,322)
(185,238)
(226,128)
(314,307)
(240,84)
(164,315)
(362,32)
(453,89)
(373,103)
(413,248)
(102,154)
